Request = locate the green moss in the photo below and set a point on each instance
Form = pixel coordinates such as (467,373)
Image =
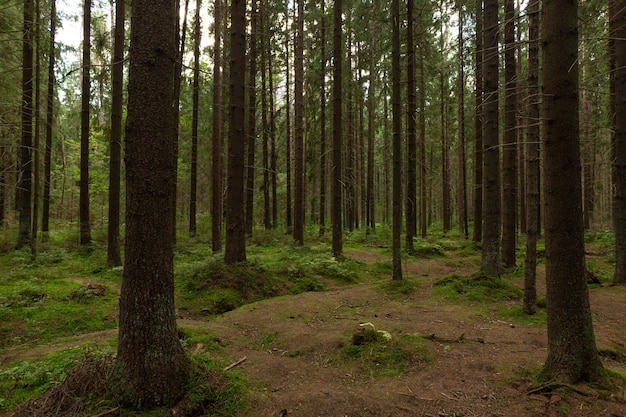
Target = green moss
(478,287)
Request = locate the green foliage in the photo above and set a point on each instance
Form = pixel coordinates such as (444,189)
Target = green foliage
(478,287)
(402,287)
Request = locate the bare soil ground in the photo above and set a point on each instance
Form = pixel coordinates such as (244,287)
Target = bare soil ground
(485,374)
(293,353)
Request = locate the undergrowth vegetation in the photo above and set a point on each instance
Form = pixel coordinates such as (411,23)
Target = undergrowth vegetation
(68,291)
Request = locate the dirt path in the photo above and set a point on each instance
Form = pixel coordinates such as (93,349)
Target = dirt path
(294,349)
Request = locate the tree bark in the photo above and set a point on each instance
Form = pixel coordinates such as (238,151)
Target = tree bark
(572,352)
(217,158)
(397,143)
(532,164)
(193,175)
(491,154)
(619,141)
(411,144)
(337,244)
(85,226)
(24,184)
(252,107)
(235,230)
(323,120)
(371,202)
(114,257)
(151,368)
(462,194)
(509,164)
(478,126)
(298,224)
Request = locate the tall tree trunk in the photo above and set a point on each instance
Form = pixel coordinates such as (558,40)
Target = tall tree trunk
(117,77)
(85,226)
(323,120)
(298,224)
(491,154)
(288,156)
(509,168)
(411,145)
(235,233)
(386,154)
(422,140)
(273,154)
(445,145)
(251,134)
(588,189)
(532,165)
(349,176)
(397,143)
(264,122)
(572,351)
(217,159)
(178,67)
(462,193)
(371,203)
(45,219)
(337,245)
(193,176)
(151,368)
(478,126)
(619,140)
(37,136)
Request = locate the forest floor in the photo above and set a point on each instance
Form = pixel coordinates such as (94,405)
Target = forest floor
(446,357)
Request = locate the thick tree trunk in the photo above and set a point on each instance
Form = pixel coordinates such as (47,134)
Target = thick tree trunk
(151,367)
(114,257)
(84,222)
(217,159)
(491,154)
(337,245)
(619,141)
(572,352)
(509,165)
(235,233)
(397,143)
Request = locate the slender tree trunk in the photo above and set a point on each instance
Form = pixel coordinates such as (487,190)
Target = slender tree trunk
(349,152)
(235,233)
(411,146)
(180,53)
(445,145)
(509,174)
(273,151)
(572,351)
(251,134)
(264,123)
(45,221)
(37,136)
(193,177)
(619,141)
(422,140)
(462,193)
(288,157)
(532,167)
(337,245)
(85,226)
(371,203)
(217,159)
(298,224)
(491,154)
(386,154)
(478,126)
(323,120)
(588,201)
(117,77)
(151,368)
(397,143)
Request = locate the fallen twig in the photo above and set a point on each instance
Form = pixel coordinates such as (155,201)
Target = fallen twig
(239,362)
(106,413)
